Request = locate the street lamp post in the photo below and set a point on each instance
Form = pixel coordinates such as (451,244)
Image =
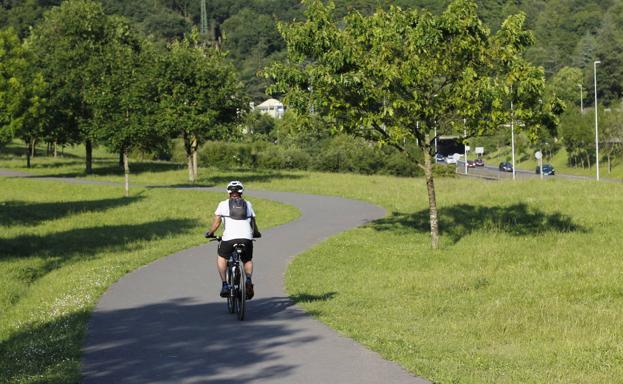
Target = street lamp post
(596,120)
(464,144)
(581,99)
(513,137)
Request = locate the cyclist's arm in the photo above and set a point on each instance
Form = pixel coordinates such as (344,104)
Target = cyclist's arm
(216,222)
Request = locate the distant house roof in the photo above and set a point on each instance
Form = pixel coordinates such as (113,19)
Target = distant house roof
(270,103)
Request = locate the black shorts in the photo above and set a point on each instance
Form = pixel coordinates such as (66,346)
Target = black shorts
(225,248)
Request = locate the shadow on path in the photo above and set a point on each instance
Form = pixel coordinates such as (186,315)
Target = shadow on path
(197,342)
(461,220)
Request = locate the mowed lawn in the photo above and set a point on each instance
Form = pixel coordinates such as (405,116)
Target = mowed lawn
(62,245)
(527,285)
(526,288)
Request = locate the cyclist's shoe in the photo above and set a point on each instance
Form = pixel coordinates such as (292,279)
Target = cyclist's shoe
(225,290)
(250,291)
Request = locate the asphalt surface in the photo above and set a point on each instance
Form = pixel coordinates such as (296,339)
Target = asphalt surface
(493,173)
(165,323)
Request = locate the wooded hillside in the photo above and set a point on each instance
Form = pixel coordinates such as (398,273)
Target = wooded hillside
(569,33)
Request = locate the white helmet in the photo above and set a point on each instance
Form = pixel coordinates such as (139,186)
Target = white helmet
(235,186)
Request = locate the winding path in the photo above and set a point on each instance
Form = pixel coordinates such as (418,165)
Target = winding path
(164,323)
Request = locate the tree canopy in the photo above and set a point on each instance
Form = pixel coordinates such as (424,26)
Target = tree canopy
(396,75)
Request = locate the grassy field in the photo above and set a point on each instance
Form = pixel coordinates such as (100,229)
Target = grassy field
(525,288)
(62,245)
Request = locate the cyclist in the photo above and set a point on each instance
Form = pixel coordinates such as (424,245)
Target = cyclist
(238,219)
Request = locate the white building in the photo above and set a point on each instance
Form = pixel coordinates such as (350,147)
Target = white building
(271,107)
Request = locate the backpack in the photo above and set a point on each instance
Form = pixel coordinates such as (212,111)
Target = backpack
(238,209)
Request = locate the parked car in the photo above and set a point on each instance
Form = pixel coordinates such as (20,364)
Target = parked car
(548,170)
(479,162)
(471,164)
(439,158)
(505,166)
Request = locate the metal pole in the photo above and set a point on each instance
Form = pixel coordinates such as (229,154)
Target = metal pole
(464,146)
(435,138)
(513,137)
(596,124)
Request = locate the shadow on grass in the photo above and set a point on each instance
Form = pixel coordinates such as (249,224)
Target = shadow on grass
(111,168)
(308,298)
(59,249)
(29,213)
(45,352)
(461,220)
(175,341)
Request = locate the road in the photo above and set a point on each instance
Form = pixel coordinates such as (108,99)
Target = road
(493,173)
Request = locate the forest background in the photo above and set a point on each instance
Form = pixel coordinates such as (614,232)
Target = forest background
(570,35)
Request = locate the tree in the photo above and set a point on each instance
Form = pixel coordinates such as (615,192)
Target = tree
(566,85)
(123,97)
(610,52)
(393,76)
(67,46)
(22,95)
(199,94)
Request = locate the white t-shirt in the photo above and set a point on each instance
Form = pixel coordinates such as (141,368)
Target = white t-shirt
(235,229)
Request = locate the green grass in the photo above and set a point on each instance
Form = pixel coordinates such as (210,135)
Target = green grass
(62,245)
(525,288)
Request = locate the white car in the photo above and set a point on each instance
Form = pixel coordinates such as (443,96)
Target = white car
(454,158)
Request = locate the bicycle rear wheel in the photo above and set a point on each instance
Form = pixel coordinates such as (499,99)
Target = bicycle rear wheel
(230,295)
(242,295)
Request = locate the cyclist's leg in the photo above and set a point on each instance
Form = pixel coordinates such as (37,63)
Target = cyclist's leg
(221,265)
(247,258)
(248,269)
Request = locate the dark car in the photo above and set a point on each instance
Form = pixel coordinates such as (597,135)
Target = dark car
(439,158)
(548,170)
(471,164)
(479,162)
(505,166)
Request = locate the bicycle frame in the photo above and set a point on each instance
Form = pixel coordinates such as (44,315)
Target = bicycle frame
(236,278)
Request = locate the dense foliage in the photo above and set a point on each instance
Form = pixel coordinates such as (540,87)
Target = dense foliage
(569,36)
(568,32)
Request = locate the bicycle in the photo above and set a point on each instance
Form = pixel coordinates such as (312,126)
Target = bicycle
(236,278)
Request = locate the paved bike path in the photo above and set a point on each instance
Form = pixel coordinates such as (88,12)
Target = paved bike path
(164,323)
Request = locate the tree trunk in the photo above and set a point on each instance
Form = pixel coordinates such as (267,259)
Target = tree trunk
(88,146)
(432,201)
(126,172)
(189,158)
(195,163)
(28,152)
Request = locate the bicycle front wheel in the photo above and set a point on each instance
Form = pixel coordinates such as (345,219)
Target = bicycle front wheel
(230,295)
(242,295)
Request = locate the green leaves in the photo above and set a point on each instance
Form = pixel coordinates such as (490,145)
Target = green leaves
(400,72)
